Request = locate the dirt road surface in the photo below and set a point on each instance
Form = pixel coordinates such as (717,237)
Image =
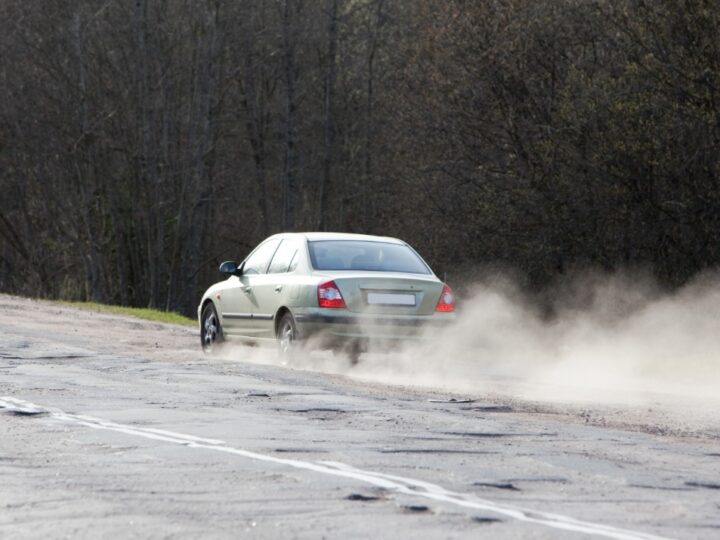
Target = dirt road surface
(113,427)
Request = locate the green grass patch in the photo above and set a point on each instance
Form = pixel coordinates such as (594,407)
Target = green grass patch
(141,313)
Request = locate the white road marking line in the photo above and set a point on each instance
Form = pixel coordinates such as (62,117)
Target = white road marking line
(399,484)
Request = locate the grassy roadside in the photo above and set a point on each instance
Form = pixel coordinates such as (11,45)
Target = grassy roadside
(141,313)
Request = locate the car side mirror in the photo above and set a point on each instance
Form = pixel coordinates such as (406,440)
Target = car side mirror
(231,268)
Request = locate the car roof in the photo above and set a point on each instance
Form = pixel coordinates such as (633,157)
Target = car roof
(318,236)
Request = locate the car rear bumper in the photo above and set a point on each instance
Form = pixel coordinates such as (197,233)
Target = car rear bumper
(341,325)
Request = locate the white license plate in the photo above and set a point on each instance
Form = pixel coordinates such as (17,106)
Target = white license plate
(387,299)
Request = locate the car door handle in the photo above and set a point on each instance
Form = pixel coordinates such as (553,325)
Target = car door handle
(246,290)
(278,288)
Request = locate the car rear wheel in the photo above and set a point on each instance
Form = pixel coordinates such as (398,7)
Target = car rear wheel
(287,337)
(354,351)
(210,330)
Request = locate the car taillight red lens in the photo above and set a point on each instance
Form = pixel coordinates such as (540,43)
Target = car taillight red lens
(447,300)
(329,295)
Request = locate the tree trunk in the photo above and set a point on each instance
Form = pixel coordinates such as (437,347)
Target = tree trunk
(328,118)
(290,74)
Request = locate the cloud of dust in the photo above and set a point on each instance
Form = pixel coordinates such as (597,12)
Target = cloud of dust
(608,338)
(612,339)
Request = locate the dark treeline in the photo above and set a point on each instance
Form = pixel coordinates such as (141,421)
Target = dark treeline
(144,141)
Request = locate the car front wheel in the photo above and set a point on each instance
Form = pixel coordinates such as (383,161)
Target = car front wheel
(210,330)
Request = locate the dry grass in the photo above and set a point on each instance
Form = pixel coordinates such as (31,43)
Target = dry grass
(141,313)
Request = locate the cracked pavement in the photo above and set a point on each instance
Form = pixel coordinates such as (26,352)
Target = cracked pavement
(118,428)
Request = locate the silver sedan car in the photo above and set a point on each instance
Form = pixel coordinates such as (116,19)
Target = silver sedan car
(328,290)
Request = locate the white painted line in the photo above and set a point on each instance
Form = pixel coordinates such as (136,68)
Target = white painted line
(399,484)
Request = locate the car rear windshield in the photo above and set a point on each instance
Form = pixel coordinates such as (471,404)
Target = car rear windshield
(365,255)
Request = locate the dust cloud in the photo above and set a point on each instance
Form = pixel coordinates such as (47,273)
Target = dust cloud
(605,338)
(610,339)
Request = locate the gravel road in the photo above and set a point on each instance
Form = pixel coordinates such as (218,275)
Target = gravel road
(113,427)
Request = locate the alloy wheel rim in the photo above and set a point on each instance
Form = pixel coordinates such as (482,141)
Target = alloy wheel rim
(286,337)
(210,330)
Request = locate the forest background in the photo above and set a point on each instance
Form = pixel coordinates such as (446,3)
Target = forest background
(144,141)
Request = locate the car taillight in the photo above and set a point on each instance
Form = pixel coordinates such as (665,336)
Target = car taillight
(447,300)
(329,295)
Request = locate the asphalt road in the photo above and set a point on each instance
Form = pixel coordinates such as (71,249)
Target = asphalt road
(117,428)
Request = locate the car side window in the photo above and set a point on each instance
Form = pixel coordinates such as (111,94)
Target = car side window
(283,258)
(258,260)
(294,261)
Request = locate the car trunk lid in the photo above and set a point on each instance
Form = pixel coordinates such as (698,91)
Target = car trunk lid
(388,293)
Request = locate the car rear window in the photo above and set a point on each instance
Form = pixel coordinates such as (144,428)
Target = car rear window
(365,256)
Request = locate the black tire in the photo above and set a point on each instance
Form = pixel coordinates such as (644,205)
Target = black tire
(211,334)
(287,337)
(354,353)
